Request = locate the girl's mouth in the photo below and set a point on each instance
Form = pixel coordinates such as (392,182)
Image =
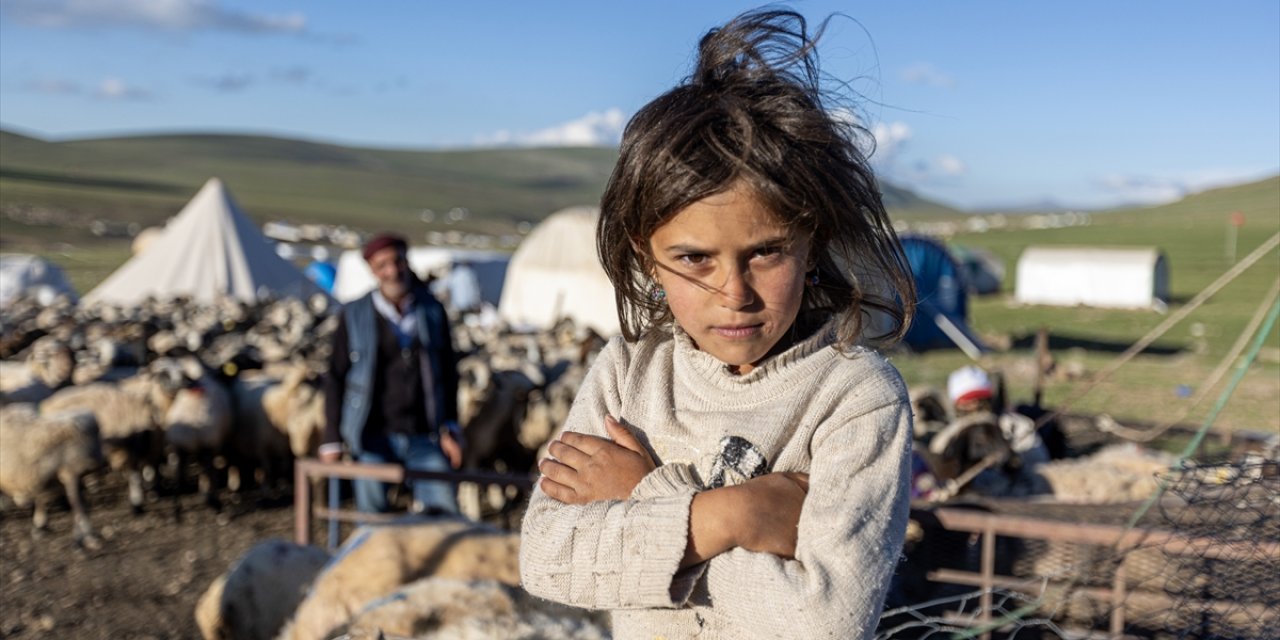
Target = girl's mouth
(737,332)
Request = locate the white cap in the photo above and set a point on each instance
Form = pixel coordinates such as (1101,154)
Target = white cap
(968,383)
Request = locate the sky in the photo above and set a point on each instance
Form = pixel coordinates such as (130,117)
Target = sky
(980,104)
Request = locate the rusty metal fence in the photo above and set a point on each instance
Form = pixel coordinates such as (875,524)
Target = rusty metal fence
(306,510)
(1205,564)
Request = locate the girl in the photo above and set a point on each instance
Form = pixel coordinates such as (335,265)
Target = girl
(736,463)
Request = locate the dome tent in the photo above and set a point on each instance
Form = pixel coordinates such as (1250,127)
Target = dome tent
(555,274)
(209,249)
(22,274)
(942,305)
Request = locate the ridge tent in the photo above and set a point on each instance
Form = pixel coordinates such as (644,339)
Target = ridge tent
(942,306)
(555,274)
(210,249)
(1120,278)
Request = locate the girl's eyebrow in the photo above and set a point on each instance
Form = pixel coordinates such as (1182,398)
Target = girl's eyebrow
(763,244)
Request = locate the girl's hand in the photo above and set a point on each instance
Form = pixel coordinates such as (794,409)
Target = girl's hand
(589,468)
(772,519)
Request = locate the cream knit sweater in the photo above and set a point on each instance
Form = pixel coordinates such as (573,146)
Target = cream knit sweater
(844,418)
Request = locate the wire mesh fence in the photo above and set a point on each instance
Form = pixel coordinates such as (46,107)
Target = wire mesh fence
(1204,564)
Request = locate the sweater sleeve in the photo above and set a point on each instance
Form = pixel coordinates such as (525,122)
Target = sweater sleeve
(616,554)
(850,535)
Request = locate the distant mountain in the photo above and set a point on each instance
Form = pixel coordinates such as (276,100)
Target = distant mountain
(144,179)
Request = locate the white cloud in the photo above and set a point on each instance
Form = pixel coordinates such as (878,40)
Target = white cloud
(112,88)
(925,74)
(890,139)
(164,15)
(596,129)
(1145,189)
(949,165)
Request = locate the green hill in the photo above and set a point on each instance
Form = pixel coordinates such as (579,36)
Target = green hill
(145,179)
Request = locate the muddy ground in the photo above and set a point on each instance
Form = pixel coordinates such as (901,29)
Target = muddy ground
(144,581)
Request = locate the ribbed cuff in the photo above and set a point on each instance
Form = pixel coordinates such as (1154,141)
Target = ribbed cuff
(650,574)
(673,479)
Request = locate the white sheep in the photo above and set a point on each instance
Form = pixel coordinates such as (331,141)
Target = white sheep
(129,416)
(36,450)
(379,559)
(18,384)
(254,599)
(197,425)
(441,608)
(51,361)
(1117,473)
(277,419)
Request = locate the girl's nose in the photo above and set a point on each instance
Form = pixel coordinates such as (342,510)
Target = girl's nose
(736,292)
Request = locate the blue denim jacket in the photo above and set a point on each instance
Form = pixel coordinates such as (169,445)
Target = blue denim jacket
(435,342)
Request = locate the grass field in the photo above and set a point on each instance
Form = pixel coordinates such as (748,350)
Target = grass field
(1192,234)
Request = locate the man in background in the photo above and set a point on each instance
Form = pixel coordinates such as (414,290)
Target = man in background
(392,386)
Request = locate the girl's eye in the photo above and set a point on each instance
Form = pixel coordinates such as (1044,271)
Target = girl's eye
(691,259)
(765,252)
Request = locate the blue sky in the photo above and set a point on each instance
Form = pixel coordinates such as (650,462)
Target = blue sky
(1084,103)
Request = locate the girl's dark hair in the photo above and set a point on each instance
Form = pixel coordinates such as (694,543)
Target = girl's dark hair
(753,112)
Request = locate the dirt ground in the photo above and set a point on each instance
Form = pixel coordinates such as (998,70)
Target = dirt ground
(144,581)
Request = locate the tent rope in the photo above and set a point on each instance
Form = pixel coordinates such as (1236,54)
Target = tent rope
(1147,435)
(1159,330)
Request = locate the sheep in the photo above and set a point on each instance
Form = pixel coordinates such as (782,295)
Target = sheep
(254,599)
(1115,474)
(129,416)
(379,559)
(51,361)
(18,384)
(444,608)
(197,424)
(35,450)
(277,419)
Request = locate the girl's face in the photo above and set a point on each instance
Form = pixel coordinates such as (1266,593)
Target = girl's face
(734,276)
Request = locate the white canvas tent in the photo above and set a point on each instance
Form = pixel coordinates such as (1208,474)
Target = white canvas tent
(22,274)
(209,249)
(354,279)
(555,274)
(1123,278)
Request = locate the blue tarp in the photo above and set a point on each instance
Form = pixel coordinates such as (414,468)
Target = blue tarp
(321,273)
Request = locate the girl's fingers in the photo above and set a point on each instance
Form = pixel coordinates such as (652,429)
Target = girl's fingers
(589,445)
(557,491)
(557,471)
(623,436)
(568,454)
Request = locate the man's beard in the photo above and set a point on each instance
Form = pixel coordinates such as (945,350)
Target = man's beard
(396,289)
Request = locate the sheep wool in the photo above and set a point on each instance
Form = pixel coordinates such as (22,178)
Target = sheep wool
(379,559)
(842,417)
(257,596)
(36,451)
(449,609)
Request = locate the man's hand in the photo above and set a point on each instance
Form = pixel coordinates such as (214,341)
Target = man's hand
(451,448)
(329,453)
(585,468)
